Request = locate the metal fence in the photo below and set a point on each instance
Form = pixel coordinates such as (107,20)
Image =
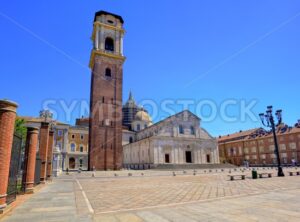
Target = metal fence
(37,174)
(15,171)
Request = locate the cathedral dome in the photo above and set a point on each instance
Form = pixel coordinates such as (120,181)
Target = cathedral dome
(142,116)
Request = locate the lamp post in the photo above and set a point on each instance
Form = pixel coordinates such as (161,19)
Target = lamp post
(268,121)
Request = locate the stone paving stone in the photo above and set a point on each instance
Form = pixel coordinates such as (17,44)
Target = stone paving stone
(158,196)
(148,216)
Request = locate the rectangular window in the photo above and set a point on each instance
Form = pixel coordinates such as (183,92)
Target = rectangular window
(192,130)
(73,147)
(181,130)
(273,156)
(254,157)
(229,152)
(59,132)
(263,156)
(283,155)
(284,160)
(261,149)
(81,137)
(293,146)
(73,136)
(282,147)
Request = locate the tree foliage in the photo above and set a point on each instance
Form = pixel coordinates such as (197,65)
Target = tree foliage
(20,128)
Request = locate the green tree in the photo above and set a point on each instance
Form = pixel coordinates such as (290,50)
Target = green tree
(20,128)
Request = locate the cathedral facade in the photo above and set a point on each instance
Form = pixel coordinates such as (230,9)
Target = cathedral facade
(177,140)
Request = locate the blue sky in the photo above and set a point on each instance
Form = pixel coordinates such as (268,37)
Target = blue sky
(242,50)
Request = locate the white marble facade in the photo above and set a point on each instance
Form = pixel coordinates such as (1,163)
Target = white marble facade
(178,139)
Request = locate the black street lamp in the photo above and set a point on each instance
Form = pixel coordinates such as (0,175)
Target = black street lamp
(268,121)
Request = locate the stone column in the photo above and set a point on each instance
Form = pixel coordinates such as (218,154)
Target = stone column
(97,37)
(56,161)
(44,140)
(7,124)
(50,155)
(30,158)
(121,45)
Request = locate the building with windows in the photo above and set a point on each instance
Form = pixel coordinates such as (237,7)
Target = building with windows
(176,140)
(70,145)
(256,146)
(77,151)
(60,142)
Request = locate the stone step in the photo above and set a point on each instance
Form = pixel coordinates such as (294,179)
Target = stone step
(192,166)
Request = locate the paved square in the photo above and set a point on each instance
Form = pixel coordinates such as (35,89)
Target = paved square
(160,196)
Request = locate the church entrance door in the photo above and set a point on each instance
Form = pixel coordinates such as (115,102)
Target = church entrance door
(188,156)
(167,158)
(71,163)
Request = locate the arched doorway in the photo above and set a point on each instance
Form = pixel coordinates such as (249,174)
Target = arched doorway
(72,163)
(109,44)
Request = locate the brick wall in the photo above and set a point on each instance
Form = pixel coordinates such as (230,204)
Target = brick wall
(7,123)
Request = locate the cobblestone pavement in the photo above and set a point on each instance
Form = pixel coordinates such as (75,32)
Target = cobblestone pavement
(160,196)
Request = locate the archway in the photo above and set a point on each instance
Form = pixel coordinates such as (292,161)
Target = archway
(109,44)
(72,163)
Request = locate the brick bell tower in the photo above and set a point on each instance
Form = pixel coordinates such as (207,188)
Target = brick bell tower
(106,63)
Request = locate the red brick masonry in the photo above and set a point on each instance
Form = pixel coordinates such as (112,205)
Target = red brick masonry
(44,140)
(50,155)
(30,157)
(105,151)
(7,124)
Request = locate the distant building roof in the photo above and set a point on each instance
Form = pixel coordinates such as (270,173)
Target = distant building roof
(79,128)
(99,13)
(258,132)
(238,135)
(30,119)
(84,121)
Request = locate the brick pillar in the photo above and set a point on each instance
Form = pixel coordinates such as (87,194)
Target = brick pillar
(7,124)
(44,140)
(50,155)
(30,157)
